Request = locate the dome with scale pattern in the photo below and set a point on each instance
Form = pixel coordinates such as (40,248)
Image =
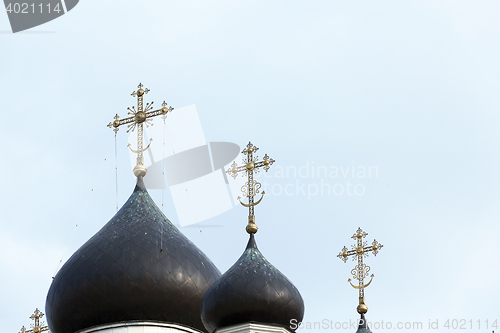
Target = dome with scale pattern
(252,290)
(139,266)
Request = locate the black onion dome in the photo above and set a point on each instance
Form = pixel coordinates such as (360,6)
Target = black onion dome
(139,266)
(252,290)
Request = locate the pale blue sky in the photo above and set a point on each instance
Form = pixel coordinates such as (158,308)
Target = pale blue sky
(411,87)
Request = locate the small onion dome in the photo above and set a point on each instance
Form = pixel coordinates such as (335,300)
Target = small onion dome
(139,266)
(363,325)
(252,290)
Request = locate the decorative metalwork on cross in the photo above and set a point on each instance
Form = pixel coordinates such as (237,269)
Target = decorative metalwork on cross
(138,118)
(36,327)
(359,251)
(251,187)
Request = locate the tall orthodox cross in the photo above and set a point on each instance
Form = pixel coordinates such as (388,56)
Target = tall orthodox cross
(36,327)
(359,251)
(251,187)
(137,119)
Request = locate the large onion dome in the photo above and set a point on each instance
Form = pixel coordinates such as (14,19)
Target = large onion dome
(252,290)
(139,266)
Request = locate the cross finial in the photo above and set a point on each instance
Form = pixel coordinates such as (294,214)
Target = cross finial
(165,110)
(37,327)
(137,118)
(359,251)
(251,187)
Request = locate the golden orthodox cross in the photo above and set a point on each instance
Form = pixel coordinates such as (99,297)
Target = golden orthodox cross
(137,119)
(36,328)
(252,186)
(360,250)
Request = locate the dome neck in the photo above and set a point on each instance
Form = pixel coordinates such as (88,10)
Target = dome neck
(251,243)
(139,186)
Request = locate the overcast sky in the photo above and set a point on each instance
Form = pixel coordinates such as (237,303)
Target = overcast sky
(408,88)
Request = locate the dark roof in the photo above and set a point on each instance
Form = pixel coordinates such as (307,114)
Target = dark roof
(252,290)
(139,266)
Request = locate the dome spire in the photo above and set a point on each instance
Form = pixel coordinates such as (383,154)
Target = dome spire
(251,187)
(360,251)
(363,325)
(137,119)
